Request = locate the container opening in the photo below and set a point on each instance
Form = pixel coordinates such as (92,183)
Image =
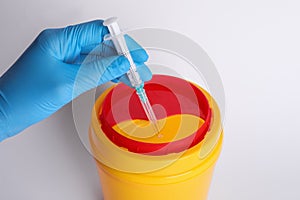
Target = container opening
(170,97)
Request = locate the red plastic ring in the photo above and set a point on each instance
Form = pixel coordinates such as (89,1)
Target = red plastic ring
(158,83)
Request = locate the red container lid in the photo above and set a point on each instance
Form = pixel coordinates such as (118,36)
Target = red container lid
(174,95)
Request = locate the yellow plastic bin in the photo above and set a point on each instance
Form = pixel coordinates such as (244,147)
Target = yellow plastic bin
(176,163)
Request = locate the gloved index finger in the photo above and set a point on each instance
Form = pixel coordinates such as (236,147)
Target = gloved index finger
(66,43)
(87,33)
(107,49)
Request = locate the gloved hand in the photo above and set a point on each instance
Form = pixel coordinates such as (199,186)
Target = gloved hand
(42,80)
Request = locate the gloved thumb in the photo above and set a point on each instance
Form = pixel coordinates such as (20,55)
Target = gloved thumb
(94,72)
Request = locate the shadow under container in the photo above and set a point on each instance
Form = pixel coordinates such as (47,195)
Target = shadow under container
(179,165)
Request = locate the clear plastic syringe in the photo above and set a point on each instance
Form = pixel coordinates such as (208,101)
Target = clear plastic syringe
(120,44)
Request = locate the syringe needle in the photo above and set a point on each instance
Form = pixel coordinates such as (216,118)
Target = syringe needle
(147,107)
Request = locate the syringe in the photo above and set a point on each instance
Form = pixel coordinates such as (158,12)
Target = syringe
(120,44)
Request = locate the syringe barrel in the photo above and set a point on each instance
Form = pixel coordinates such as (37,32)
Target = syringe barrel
(122,49)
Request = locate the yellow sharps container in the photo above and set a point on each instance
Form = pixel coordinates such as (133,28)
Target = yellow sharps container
(137,163)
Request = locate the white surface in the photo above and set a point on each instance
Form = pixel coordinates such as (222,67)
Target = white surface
(255,46)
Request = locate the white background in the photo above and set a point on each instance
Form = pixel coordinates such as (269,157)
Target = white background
(255,46)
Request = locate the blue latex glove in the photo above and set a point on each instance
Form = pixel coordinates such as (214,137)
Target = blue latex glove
(42,80)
